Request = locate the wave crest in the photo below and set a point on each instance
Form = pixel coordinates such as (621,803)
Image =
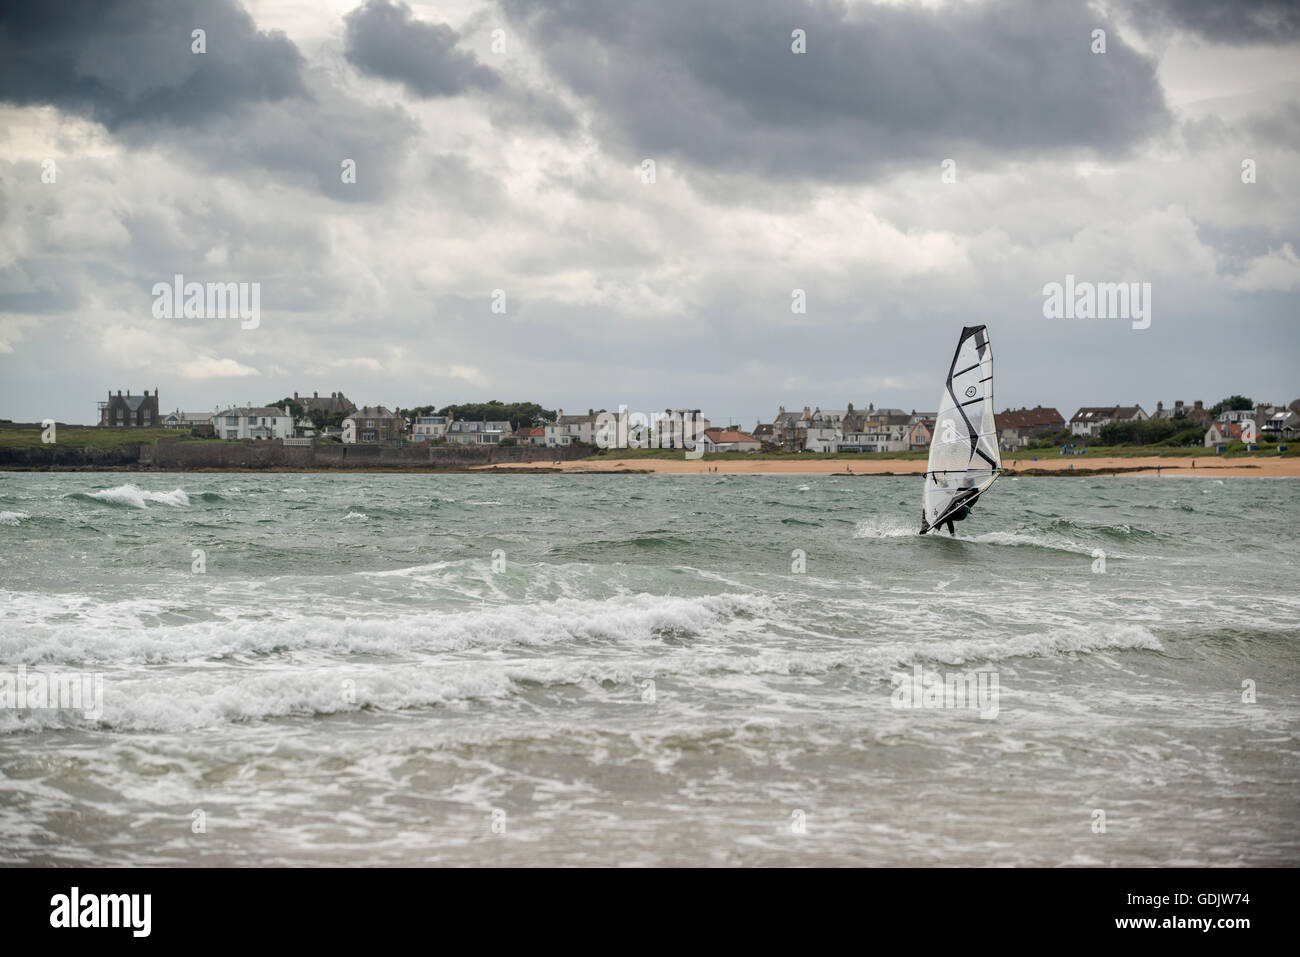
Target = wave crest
(135,497)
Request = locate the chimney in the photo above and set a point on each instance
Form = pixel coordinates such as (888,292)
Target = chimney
(780,410)
(119,393)
(295,397)
(315,395)
(1198,403)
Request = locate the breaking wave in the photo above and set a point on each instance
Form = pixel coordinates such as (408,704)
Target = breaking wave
(132,496)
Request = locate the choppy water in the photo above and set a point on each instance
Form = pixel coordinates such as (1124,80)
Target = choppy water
(645,680)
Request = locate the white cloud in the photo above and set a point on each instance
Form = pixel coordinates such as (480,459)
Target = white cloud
(208,367)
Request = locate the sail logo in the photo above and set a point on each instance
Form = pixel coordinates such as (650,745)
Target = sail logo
(972,690)
(1104,300)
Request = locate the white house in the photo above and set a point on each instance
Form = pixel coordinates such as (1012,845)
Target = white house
(821,439)
(430,428)
(579,428)
(730,440)
(888,438)
(1284,424)
(477,433)
(1221,433)
(1236,415)
(567,429)
(253,422)
(1090,418)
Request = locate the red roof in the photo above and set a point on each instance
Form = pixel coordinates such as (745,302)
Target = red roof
(723,436)
(1028,418)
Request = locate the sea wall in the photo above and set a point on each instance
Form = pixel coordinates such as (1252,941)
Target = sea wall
(175,454)
(169,454)
(67,457)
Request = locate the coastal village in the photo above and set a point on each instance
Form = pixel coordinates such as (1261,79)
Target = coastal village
(304,420)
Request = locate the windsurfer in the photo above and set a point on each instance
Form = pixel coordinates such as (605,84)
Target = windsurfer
(962,505)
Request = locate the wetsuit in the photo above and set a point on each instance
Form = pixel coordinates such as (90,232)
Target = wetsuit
(960,514)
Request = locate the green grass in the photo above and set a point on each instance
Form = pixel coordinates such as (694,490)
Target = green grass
(79,438)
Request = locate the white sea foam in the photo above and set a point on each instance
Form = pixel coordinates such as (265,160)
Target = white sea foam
(885,527)
(1021,538)
(182,701)
(12,518)
(140,498)
(1046,644)
(126,632)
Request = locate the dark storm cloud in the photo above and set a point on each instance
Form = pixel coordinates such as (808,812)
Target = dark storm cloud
(246,104)
(385,40)
(1225,21)
(124,61)
(717,84)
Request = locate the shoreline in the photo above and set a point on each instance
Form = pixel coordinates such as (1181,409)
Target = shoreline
(1153,466)
(1150,466)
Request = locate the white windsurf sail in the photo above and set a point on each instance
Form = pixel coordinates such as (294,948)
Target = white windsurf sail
(964,457)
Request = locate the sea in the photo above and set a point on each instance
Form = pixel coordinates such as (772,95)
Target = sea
(633,670)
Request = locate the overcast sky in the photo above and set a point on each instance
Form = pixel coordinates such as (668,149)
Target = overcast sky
(522,170)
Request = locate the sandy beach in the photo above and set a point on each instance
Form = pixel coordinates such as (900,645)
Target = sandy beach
(1153,466)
